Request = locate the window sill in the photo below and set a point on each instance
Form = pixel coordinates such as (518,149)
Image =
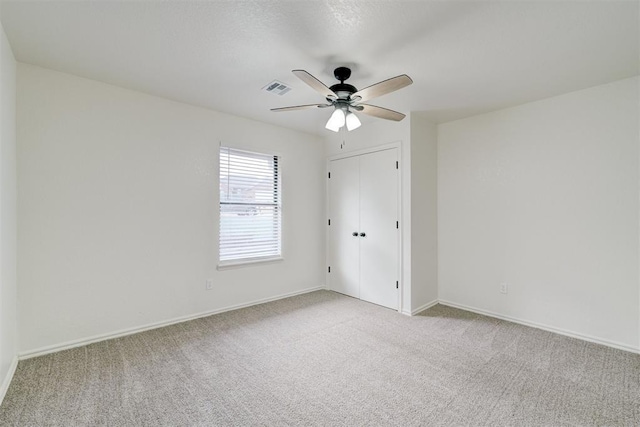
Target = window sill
(229,265)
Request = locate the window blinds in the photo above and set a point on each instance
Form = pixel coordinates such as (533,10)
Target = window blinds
(250,210)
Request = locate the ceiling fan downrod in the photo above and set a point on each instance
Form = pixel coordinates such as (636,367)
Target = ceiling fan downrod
(342,89)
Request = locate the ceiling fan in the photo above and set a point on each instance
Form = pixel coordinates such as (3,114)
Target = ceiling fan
(346,99)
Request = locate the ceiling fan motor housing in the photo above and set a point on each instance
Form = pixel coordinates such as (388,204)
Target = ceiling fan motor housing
(343,90)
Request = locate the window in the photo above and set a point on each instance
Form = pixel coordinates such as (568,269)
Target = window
(250,210)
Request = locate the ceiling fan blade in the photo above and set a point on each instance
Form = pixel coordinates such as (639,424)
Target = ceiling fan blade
(301,107)
(382,113)
(316,84)
(382,88)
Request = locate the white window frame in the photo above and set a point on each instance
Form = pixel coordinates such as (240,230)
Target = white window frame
(258,259)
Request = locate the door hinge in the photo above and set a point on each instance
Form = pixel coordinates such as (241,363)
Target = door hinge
(329,222)
(396,284)
(329,270)
(329,175)
(397,224)
(396,164)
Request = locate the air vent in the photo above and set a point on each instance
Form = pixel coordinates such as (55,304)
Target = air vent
(277,88)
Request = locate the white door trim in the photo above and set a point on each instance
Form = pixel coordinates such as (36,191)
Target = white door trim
(368,150)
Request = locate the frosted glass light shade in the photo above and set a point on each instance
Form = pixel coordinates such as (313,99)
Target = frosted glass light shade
(352,121)
(336,121)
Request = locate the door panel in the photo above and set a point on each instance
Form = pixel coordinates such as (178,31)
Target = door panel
(344,207)
(379,253)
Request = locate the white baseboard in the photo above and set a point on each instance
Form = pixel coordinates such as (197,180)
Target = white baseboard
(544,327)
(129,331)
(423,307)
(6,381)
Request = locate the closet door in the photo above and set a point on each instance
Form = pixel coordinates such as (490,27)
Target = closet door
(379,249)
(344,205)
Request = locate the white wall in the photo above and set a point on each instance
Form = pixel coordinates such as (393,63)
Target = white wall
(8,316)
(424,212)
(374,133)
(544,197)
(118,209)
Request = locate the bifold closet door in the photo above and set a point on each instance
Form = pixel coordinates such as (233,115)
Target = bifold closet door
(344,205)
(363,239)
(379,249)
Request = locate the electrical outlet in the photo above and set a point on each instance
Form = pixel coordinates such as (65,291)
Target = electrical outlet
(209,285)
(504,288)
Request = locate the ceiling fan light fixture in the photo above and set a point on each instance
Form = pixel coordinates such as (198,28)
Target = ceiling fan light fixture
(336,121)
(345,97)
(352,121)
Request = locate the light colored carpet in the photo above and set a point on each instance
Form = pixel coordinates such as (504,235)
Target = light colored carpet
(326,359)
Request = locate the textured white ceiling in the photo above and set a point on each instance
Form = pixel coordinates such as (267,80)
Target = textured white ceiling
(464,57)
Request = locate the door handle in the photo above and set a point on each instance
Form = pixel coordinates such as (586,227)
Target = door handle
(362,234)
(354,234)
